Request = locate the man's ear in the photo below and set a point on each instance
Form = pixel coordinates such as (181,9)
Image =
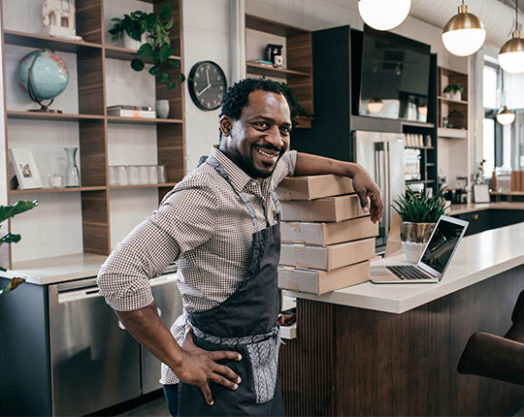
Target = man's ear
(226,125)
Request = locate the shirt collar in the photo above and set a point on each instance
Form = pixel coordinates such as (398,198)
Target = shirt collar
(238,176)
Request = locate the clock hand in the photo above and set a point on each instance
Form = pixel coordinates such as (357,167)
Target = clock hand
(204,89)
(207,75)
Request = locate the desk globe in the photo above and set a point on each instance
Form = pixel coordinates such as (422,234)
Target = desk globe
(43,75)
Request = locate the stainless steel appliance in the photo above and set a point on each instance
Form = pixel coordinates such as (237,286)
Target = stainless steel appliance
(382,154)
(94,363)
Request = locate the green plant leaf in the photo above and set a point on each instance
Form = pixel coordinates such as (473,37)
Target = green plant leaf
(9,238)
(151,20)
(169,24)
(154,70)
(165,77)
(164,53)
(165,12)
(145,51)
(137,64)
(171,85)
(174,63)
(7,212)
(182,77)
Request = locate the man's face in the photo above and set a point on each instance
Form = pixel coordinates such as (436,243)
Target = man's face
(257,140)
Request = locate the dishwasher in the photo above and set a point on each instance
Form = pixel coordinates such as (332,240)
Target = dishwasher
(94,363)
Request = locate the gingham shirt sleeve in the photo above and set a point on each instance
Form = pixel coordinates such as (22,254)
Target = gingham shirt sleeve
(286,166)
(173,229)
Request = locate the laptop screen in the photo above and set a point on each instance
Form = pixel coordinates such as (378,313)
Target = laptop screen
(441,245)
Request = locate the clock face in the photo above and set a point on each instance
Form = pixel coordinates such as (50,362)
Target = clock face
(207,85)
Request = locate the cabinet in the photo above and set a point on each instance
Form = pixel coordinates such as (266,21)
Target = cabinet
(452,111)
(297,51)
(91,218)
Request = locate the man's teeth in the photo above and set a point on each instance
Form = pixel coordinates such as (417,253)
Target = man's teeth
(265,153)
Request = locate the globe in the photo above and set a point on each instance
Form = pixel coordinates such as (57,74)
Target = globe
(49,75)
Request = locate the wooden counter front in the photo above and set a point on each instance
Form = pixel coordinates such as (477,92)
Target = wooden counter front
(350,361)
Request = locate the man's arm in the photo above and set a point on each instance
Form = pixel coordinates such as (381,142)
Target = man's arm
(190,364)
(365,187)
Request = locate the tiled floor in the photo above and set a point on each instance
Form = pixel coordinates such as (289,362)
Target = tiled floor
(155,408)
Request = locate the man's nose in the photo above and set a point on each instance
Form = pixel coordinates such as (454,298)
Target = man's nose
(274,137)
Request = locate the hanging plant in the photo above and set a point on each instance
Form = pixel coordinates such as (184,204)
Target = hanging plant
(158,44)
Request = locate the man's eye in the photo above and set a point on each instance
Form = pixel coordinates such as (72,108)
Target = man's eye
(262,125)
(285,130)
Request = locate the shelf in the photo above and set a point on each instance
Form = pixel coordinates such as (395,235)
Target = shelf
(13,37)
(57,190)
(118,119)
(444,132)
(124,54)
(20,114)
(419,181)
(453,101)
(263,69)
(414,123)
(419,147)
(270,26)
(134,186)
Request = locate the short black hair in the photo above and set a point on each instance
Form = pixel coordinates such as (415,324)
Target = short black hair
(237,96)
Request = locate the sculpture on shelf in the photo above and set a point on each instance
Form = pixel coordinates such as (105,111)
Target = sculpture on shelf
(59,18)
(44,75)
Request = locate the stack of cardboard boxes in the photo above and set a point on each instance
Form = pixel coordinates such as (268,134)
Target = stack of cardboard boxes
(327,239)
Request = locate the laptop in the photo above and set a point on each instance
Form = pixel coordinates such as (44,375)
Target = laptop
(435,258)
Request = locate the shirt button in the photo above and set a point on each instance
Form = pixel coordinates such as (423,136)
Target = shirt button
(253,183)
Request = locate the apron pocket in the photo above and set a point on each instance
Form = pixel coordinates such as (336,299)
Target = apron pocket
(263,357)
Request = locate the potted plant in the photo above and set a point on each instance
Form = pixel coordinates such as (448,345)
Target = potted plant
(454,91)
(157,46)
(419,214)
(6,212)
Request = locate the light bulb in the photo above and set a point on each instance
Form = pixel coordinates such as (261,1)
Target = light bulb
(383,14)
(464,34)
(511,55)
(375,105)
(505,116)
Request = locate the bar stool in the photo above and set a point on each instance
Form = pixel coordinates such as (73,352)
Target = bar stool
(498,357)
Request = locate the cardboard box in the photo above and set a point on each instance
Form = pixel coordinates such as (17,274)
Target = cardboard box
(320,282)
(314,186)
(328,233)
(330,209)
(327,258)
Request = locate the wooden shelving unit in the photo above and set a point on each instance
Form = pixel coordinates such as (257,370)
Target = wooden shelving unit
(298,47)
(451,109)
(92,119)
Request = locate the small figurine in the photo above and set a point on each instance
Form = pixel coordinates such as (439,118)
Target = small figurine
(59,19)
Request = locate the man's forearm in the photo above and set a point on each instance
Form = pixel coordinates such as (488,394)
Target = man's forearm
(147,328)
(309,164)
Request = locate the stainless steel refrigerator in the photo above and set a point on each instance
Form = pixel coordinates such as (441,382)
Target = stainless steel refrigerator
(382,154)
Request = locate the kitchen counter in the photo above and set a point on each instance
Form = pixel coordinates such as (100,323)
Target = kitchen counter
(455,209)
(477,258)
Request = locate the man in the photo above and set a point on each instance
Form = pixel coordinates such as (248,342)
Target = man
(221,224)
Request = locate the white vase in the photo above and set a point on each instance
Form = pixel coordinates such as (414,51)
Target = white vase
(456,96)
(72,177)
(130,43)
(162,109)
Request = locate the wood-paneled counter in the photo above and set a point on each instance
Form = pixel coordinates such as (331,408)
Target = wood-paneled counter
(393,349)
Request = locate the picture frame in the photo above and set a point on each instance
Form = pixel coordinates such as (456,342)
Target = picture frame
(25,168)
(481,193)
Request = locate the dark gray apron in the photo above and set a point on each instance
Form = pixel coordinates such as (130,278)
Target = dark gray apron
(247,323)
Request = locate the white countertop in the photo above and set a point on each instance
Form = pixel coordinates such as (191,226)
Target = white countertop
(477,258)
(467,208)
(58,269)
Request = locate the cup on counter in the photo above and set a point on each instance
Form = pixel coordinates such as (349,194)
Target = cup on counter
(162,175)
(153,174)
(132,175)
(56,180)
(121,178)
(143,174)
(113,175)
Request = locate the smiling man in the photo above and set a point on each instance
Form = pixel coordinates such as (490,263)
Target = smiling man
(221,224)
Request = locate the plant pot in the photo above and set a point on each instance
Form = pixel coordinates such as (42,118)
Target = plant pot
(413,238)
(456,96)
(130,43)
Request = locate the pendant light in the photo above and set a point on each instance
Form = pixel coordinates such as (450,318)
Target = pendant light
(383,14)
(375,105)
(464,33)
(511,55)
(505,116)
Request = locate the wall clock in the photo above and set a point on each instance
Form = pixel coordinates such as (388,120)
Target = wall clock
(207,85)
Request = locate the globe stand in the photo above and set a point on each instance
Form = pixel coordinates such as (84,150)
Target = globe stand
(44,108)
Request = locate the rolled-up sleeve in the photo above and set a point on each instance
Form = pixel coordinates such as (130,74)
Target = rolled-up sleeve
(285,167)
(184,221)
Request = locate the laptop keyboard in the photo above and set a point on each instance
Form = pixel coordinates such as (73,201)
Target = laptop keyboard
(408,272)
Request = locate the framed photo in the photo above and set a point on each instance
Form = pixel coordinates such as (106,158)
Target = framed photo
(25,168)
(481,193)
